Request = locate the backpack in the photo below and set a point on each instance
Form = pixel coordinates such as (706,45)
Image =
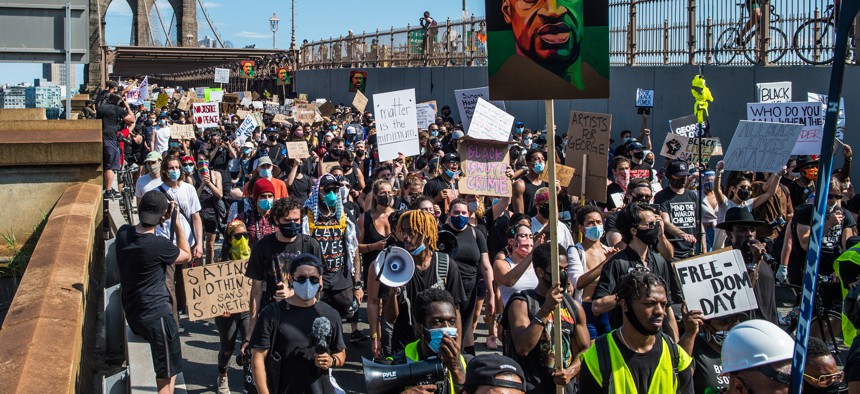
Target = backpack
(440,270)
(173,216)
(605,360)
(532,305)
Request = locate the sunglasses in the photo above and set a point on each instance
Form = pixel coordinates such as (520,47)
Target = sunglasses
(237,237)
(773,374)
(826,380)
(302,279)
(834,196)
(331,189)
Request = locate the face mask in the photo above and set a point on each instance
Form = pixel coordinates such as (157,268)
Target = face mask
(330,199)
(173,175)
(306,291)
(810,173)
(290,230)
(527,141)
(524,248)
(272,137)
(648,162)
(299,134)
(240,250)
(622,177)
(634,321)
(716,337)
(539,167)
(708,186)
(638,155)
(359,153)
(434,133)
(383,201)
(335,152)
(677,183)
(452,174)
(154,169)
(562,278)
(246,151)
(543,210)
(534,145)
(188,169)
(459,222)
(472,206)
(266,203)
(520,130)
(794,175)
(496,201)
(266,172)
(743,194)
(594,233)
(436,335)
(418,250)
(648,237)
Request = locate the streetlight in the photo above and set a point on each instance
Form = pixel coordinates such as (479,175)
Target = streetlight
(273,24)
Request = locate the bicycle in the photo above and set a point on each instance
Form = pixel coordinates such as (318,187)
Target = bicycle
(729,43)
(127,200)
(826,323)
(815,39)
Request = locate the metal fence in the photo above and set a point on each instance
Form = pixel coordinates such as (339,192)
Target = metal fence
(642,32)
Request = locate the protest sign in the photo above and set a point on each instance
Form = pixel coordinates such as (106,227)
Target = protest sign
(687,148)
(396,124)
(271,107)
(327,166)
(357,81)
(808,114)
(686,126)
(241,113)
(426,114)
(773,92)
(177,95)
(303,97)
(467,99)
(563,175)
(644,98)
(245,102)
(212,289)
(327,109)
(716,283)
(222,75)
(182,131)
(183,103)
(589,135)
(200,92)
(297,150)
(761,146)
(280,118)
(216,95)
(483,167)
(490,123)
(162,100)
(257,104)
(360,101)
(840,120)
(206,115)
(247,69)
(283,75)
(305,113)
(245,129)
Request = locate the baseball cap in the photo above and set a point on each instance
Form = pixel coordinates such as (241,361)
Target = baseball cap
(457,134)
(305,259)
(678,168)
(152,207)
(249,144)
(350,130)
(636,146)
(518,124)
(483,369)
(153,156)
(450,156)
(328,179)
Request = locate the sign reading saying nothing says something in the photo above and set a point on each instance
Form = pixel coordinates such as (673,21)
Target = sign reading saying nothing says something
(589,135)
(808,114)
(206,114)
(213,289)
(716,283)
(490,122)
(761,146)
(484,167)
(396,124)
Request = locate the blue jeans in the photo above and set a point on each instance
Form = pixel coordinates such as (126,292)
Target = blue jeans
(597,325)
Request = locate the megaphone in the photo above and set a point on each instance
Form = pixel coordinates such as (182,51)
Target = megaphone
(394,266)
(447,243)
(390,379)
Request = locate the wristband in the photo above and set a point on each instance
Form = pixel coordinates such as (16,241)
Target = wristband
(538,321)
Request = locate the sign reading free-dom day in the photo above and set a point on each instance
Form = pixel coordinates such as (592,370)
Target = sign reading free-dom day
(716,283)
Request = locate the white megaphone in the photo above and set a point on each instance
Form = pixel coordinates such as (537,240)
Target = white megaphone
(394,266)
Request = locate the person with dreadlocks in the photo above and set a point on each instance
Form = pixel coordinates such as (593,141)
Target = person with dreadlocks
(327,222)
(419,234)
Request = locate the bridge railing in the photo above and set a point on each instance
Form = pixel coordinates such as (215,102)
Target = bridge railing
(642,32)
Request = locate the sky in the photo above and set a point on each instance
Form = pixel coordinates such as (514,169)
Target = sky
(246,22)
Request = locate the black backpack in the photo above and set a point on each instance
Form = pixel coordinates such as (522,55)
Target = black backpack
(529,296)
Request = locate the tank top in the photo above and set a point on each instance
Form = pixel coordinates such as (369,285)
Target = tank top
(300,188)
(371,235)
(207,199)
(528,280)
(529,195)
(352,177)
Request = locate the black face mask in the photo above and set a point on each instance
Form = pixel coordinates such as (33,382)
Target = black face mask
(544,211)
(832,389)
(272,137)
(383,201)
(359,153)
(648,162)
(649,237)
(744,194)
(637,325)
(677,183)
(335,152)
(638,155)
(290,230)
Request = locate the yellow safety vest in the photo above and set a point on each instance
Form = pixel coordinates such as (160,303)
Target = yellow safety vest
(850,255)
(663,380)
(411,353)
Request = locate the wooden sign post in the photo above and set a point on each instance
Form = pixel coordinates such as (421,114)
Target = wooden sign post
(553,234)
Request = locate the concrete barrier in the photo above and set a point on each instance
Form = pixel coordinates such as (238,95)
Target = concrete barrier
(22,114)
(47,338)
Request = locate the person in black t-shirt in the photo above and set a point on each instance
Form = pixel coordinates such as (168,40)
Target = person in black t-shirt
(706,348)
(115,113)
(444,187)
(616,190)
(142,258)
(678,206)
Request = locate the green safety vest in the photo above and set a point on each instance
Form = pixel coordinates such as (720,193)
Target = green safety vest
(663,380)
(411,353)
(850,255)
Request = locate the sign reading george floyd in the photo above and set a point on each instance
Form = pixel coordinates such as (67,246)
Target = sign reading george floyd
(773,92)
(213,289)
(467,99)
(808,114)
(484,165)
(490,122)
(206,114)
(589,135)
(716,283)
(686,126)
(761,146)
(396,124)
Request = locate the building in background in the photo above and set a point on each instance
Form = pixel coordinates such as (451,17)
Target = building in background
(12,96)
(56,74)
(44,94)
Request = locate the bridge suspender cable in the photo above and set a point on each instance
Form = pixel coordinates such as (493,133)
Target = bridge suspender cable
(217,37)
(157,12)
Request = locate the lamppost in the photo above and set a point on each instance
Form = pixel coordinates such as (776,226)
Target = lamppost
(273,24)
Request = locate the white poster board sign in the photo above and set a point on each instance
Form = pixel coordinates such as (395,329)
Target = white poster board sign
(467,99)
(216,96)
(761,146)
(716,283)
(222,75)
(840,120)
(490,122)
(245,129)
(808,114)
(396,124)
(426,114)
(644,98)
(205,114)
(773,92)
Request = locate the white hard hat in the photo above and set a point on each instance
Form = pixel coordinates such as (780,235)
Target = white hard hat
(754,343)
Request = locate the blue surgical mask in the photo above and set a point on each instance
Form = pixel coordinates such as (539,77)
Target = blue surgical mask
(418,250)
(188,169)
(496,201)
(534,145)
(434,133)
(520,130)
(266,203)
(266,172)
(527,141)
(539,167)
(451,174)
(330,199)
(472,206)
(594,233)
(246,151)
(306,291)
(459,222)
(436,335)
(173,175)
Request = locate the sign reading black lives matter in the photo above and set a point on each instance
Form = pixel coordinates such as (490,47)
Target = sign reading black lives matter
(213,289)
(716,283)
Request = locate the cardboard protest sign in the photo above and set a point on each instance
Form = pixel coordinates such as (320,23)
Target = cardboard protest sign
(241,113)
(808,114)
(357,81)
(467,99)
(760,146)
(245,129)
(686,126)
(644,98)
(297,150)
(182,131)
(303,97)
(213,289)
(483,167)
(206,115)
(283,75)
(534,57)
(490,123)
(563,175)
(257,104)
(840,120)
(589,135)
(247,69)
(177,95)
(222,75)
(327,166)
(396,124)
(280,118)
(360,101)
(183,103)
(716,283)
(305,113)
(773,92)
(426,114)
(271,107)
(687,148)
(327,109)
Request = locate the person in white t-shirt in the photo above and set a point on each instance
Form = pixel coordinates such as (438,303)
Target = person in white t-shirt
(741,196)
(160,136)
(151,179)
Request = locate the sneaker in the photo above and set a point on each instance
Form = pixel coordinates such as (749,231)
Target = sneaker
(491,342)
(789,316)
(358,336)
(223,385)
(111,194)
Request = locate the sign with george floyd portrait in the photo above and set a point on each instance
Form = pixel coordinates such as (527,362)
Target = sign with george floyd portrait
(538,53)
(247,69)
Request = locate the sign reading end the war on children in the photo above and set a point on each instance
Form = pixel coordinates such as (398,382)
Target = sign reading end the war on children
(761,146)
(716,283)
(213,289)
(484,165)
(589,136)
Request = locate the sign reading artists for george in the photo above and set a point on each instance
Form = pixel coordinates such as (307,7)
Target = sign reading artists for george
(589,135)
(773,92)
(484,167)
(213,289)
(222,75)
(467,99)
(206,115)
(761,146)
(808,114)
(716,283)
(396,124)
(490,123)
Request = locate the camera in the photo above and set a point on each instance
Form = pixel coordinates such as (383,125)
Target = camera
(778,222)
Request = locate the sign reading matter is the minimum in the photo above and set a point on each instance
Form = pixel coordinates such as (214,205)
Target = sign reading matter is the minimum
(716,283)
(396,124)
(213,289)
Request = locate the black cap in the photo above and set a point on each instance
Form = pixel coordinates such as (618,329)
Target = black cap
(483,369)
(328,179)
(636,146)
(678,168)
(306,259)
(152,207)
(450,156)
(805,161)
